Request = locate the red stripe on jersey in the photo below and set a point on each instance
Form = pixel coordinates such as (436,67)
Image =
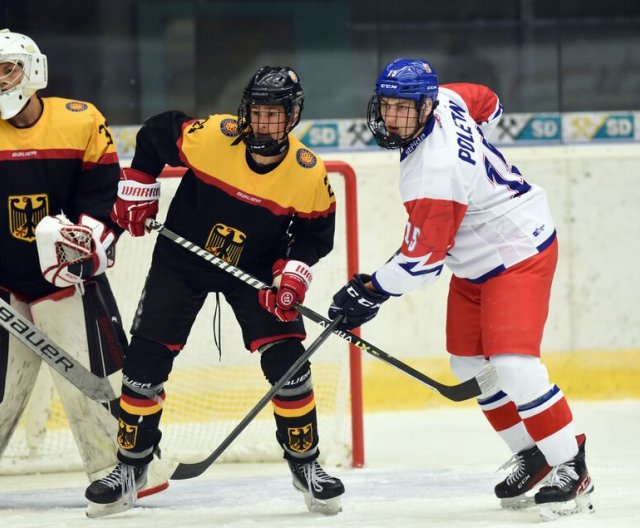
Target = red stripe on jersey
(258,201)
(438,222)
(481,100)
(549,421)
(503,417)
(109,158)
(257,343)
(29,154)
(295,404)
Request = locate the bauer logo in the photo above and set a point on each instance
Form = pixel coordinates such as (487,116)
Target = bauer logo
(306,158)
(76,106)
(229,127)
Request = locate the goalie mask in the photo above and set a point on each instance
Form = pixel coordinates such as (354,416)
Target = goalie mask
(410,79)
(270,86)
(24,71)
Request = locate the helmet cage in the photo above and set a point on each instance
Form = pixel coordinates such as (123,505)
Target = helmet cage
(271,86)
(383,137)
(22,51)
(410,79)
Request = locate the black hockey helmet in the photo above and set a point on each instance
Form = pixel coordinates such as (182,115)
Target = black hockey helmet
(276,85)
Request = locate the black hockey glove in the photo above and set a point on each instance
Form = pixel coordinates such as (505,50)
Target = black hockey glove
(356,303)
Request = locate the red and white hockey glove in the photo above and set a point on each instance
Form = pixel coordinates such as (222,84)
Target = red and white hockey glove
(72,253)
(291,280)
(138,195)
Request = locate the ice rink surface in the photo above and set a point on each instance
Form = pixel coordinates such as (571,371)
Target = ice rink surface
(433,468)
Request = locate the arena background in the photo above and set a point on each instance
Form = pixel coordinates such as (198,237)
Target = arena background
(567,72)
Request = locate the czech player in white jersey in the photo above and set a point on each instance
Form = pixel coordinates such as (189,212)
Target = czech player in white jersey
(471,210)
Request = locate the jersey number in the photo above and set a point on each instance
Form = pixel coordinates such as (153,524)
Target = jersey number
(411,235)
(514,180)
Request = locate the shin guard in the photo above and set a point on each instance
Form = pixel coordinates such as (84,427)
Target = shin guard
(294,405)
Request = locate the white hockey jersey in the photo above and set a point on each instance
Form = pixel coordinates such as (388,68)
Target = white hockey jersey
(468,207)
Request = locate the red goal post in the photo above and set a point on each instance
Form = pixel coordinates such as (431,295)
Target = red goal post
(352,266)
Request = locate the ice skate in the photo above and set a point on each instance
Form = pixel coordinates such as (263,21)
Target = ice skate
(117,492)
(321,491)
(569,489)
(531,468)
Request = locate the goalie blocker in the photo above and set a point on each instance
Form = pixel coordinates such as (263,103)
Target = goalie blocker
(87,327)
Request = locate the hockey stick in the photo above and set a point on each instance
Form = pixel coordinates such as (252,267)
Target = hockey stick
(460,392)
(187,471)
(96,388)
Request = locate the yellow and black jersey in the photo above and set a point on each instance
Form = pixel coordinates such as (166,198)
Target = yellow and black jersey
(65,162)
(248,218)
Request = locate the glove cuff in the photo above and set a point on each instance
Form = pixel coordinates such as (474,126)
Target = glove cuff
(372,295)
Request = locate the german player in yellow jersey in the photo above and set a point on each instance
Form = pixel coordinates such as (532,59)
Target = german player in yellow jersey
(58,180)
(254,196)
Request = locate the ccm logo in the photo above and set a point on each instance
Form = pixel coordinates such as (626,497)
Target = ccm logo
(353,293)
(388,86)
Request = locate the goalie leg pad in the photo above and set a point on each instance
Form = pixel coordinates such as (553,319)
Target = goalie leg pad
(294,404)
(84,326)
(19,368)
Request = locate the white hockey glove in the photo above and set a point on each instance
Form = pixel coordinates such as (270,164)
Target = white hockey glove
(72,253)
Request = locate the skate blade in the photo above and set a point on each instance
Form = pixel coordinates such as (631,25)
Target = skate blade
(522,502)
(324,507)
(95,510)
(555,510)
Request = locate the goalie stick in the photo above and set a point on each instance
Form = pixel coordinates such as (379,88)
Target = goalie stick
(463,391)
(96,388)
(187,471)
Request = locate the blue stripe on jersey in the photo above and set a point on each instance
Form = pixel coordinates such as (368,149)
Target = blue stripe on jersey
(408,267)
(488,275)
(539,401)
(547,242)
(492,399)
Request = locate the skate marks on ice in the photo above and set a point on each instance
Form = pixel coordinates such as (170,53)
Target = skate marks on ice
(374,498)
(441,474)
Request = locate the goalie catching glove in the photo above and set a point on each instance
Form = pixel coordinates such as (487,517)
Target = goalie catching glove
(72,253)
(356,303)
(291,280)
(138,195)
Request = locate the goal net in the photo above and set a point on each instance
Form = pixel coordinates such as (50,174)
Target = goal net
(208,391)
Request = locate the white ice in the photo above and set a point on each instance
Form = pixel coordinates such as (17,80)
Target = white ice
(428,468)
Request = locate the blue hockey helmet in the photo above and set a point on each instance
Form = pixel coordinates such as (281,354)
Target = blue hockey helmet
(411,79)
(408,79)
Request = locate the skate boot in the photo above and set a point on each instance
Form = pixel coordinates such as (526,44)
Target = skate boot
(117,491)
(530,469)
(321,491)
(569,488)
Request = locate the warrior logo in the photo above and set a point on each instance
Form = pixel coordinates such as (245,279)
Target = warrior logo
(300,438)
(226,243)
(24,214)
(127,435)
